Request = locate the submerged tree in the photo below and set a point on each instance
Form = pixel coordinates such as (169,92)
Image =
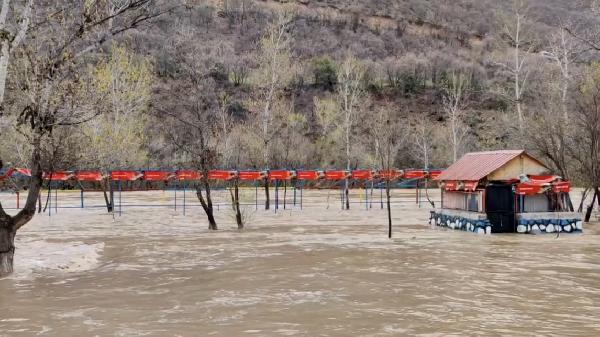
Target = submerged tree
(350,92)
(117,137)
(47,76)
(275,62)
(585,147)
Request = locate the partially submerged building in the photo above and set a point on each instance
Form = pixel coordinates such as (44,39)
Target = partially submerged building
(504,192)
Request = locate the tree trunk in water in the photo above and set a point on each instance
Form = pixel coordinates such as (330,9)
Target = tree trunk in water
(347,192)
(389,208)
(583,196)
(235,204)
(207,204)
(109,205)
(267,200)
(588,213)
(7,246)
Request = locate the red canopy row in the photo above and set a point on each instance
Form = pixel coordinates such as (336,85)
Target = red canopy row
(534,185)
(191,175)
(533,188)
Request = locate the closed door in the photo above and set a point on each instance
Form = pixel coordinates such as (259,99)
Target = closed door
(500,208)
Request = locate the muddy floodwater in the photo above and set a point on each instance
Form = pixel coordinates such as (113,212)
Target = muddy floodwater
(318,271)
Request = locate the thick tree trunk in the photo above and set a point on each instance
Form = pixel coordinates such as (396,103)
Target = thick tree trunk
(207,204)
(347,193)
(268,199)
(7,245)
(588,213)
(235,200)
(107,200)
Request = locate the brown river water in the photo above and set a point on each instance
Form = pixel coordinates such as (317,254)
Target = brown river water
(313,272)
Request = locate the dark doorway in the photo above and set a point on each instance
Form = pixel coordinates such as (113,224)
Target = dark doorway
(500,208)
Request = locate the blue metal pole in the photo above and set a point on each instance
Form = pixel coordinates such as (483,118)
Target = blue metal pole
(276,195)
(366,197)
(120,190)
(301,189)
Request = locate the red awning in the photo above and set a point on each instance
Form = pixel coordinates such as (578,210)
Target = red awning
(58,175)
(251,175)
(188,175)
(337,175)
(88,176)
(471,185)
(281,175)
(415,174)
(542,179)
(221,175)
(435,174)
(561,187)
(309,175)
(158,175)
(450,185)
(362,174)
(528,188)
(125,175)
(390,174)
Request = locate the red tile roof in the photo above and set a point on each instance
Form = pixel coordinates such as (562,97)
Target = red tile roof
(478,165)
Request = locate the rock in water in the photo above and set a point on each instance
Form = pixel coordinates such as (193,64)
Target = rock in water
(521,229)
(535,232)
(543,228)
(550,228)
(535,228)
(488,230)
(567,228)
(579,225)
(480,230)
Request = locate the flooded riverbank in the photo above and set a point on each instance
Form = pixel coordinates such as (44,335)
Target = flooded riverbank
(316,272)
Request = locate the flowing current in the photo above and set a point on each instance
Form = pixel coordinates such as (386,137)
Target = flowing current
(319,271)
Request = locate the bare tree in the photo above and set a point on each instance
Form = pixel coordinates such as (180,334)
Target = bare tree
(13,30)
(514,32)
(422,136)
(350,92)
(456,96)
(48,63)
(390,137)
(274,60)
(585,148)
(564,50)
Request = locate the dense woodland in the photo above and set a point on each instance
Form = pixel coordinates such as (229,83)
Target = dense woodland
(105,84)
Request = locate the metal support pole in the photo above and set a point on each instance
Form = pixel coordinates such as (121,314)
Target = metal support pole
(284,192)
(56,200)
(342,196)
(301,189)
(184,197)
(295,183)
(176,186)
(381,196)
(256,195)
(49,198)
(120,190)
(81,197)
(276,195)
(366,197)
